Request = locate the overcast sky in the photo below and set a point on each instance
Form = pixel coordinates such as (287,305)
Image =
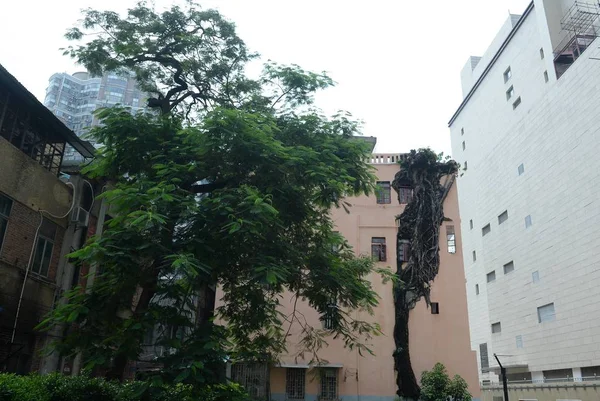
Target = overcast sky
(396,63)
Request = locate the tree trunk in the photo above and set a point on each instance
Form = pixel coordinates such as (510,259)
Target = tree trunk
(405,377)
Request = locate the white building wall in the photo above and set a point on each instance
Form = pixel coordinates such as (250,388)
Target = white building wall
(555,133)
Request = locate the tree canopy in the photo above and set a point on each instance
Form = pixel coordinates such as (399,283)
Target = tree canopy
(226,181)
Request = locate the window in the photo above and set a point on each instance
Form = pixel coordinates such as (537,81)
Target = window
(474,256)
(542,53)
(546,76)
(486,230)
(464,146)
(405,195)
(435,308)
(462,131)
(519,340)
(329,315)
(535,276)
(521,169)
(378,250)
(491,276)
(528,222)
(509,267)
(295,379)
(404,250)
(451,239)
(466,165)
(253,377)
(517,103)
(476,289)
(384,194)
(328,384)
(43,248)
(546,313)
(471,224)
(507,74)
(483,356)
(503,217)
(510,93)
(496,328)
(5,207)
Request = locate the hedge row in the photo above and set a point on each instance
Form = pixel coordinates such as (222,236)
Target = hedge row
(56,387)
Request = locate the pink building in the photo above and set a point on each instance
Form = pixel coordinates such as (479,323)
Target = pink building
(440,337)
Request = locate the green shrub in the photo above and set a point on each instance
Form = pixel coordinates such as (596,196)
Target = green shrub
(56,387)
(437,386)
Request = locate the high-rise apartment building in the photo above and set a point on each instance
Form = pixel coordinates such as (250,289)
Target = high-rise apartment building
(528,137)
(74,98)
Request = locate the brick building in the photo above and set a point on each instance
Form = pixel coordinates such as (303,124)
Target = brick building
(35,214)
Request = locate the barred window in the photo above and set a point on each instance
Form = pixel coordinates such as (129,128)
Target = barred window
(295,379)
(328,319)
(378,249)
(252,376)
(451,239)
(405,195)
(328,384)
(384,192)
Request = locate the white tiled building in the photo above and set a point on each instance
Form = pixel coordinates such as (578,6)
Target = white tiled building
(528,136)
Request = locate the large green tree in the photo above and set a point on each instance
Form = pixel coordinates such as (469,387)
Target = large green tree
(226,182)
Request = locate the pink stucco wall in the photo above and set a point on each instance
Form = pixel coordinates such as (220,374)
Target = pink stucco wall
(433,338)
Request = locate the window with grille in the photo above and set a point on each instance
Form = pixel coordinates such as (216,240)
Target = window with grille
(405,195)
(404,250)
(378,249)
(451,239)
(253,377)
(43,248)
(328,319)
(328,384)
(295,379)
(384,192)
(5,207)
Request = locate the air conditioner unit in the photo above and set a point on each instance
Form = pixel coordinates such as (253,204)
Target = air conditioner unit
(80,217)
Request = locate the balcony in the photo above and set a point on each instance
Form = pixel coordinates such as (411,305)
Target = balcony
(387,158)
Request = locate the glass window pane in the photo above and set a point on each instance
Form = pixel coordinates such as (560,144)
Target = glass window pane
(3,224)
(46,259)
(5,205)
(39,253)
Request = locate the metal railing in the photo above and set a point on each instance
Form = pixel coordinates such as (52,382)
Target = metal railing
(387,158)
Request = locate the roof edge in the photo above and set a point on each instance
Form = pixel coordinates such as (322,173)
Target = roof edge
(487,69)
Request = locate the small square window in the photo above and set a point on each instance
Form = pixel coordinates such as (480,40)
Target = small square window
(517,103)
(542,53)
(476,289)
(528,222)
(486,230)
(510,93)
(491,276)
(546,313)
(471,224)
(535,276)
(474,256)
(546,76)
(509,267)
(503,217)
(464,146)
(519,341)
(521,169)
(507,74)
(496,328)
(435,308)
